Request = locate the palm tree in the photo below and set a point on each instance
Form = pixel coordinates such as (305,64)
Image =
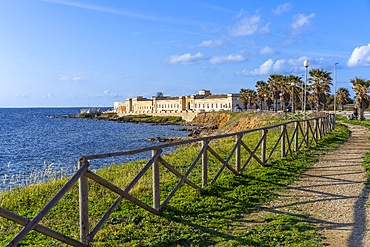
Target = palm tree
(342,97)
(294,84)
(274,82)
(262,91)
(320,82)
(248,96)
(361,89)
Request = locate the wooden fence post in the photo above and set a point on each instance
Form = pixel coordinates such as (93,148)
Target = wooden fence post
(156,188)
(84,203)
(237,153)
(283,130)
(316,130)
(263,146)
(296,137)
(205,165)
(307,122)
(333,121)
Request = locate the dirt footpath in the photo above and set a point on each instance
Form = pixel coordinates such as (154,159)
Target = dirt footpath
(333,194)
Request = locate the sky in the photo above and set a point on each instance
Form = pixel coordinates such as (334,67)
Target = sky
(89,53)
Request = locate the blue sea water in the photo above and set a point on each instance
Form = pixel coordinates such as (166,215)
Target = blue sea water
(33,141)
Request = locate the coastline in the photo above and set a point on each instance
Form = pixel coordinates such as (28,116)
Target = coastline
(195,128)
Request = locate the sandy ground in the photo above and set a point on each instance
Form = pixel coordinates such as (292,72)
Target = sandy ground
(333,194)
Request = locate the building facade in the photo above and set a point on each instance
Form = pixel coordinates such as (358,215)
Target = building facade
(204,101)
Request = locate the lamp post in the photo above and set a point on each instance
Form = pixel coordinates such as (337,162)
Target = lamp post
(335,87)
(306,64)
(293,84)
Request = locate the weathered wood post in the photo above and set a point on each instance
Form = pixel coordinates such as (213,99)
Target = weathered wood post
(319,128)
(307,122)
(263,146)
(316,130)
(296,137)
(205,164)
(333,121)
(283,131)
(84,203)
(156,188)
(237,152)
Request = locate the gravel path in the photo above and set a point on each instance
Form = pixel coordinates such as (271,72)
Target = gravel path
(333,194)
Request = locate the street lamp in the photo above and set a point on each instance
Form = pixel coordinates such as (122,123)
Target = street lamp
(293,84)
(306,64)
(335,87)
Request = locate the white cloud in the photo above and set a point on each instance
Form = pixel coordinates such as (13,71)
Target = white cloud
(246,26)
(267,51)
(227,59)
(264,69)
(50,95)
(265,29)
(301,22)
(105,94)
(360,56)
(186,58)
(270,66)
(21,95)
(110,94)
(103,9)
(282,8)
(211,43)
(74,77)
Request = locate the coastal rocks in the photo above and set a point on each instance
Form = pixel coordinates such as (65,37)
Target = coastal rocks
(163,139)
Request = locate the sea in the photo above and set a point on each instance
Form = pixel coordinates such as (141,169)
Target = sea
(36,145)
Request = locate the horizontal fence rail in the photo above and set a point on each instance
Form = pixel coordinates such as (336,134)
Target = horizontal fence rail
(288,139)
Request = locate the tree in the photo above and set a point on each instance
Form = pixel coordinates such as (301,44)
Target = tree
(361,89)
(159,95)
(293,86)
(262,91)
(320,82)
(248,96)
(342,97)
(274,82)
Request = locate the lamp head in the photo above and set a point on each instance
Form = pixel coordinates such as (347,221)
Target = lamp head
(306,63)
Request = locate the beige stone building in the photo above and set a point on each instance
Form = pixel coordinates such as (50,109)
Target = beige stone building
(204,101)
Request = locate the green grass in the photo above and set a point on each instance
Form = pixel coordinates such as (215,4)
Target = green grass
(157,119)
(213,218)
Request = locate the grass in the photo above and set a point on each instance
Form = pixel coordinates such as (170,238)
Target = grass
(157,119)
(213,218)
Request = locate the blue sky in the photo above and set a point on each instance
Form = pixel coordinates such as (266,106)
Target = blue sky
(92,53)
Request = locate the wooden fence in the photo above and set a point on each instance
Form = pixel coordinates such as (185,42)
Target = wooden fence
(291,137)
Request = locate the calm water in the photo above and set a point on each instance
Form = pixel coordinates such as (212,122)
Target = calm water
(34,144)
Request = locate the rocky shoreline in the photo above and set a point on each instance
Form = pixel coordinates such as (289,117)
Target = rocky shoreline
(195,129)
